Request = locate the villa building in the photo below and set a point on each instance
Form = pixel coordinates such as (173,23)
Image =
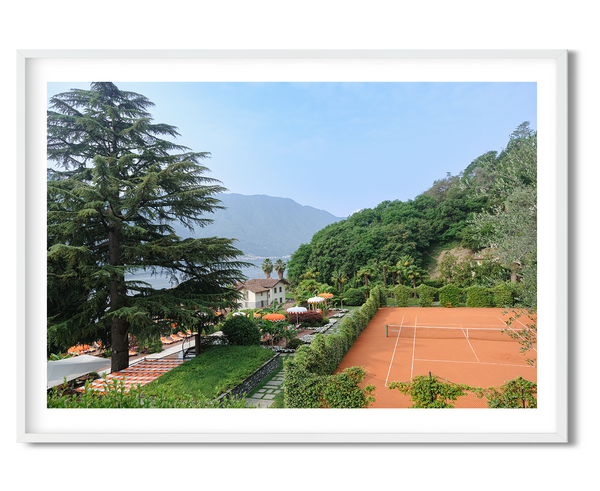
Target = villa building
(257,293)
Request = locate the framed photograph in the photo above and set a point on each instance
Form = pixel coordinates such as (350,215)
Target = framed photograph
(543,71)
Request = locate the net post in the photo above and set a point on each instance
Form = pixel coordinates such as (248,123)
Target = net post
(386,330)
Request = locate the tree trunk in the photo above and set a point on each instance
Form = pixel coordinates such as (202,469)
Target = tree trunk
(118,327)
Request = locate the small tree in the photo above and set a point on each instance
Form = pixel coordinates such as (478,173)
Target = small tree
(516,393)
(429,391)
(241,331)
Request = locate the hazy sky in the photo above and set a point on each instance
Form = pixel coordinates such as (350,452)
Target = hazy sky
(339,147)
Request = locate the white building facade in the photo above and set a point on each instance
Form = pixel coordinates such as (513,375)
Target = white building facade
(259,293)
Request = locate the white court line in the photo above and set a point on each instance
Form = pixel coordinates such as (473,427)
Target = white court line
(508,327)
(413,353)
(477,363)
(470,345)
(392,360)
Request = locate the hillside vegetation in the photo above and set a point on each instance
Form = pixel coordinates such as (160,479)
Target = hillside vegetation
(489,207)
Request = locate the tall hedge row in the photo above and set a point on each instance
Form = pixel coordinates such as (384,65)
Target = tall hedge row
(502,295)
(308,374)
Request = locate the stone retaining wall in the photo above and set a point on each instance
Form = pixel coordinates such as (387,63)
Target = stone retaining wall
(253,381)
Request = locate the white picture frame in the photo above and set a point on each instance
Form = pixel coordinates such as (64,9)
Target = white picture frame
(546,424)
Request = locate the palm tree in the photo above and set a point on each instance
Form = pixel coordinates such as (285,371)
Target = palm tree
(364,273)
(403,266)
(412,272)
(343,279)
(384,266)
(280,268)
(267,267)
(393,270)
(335,277)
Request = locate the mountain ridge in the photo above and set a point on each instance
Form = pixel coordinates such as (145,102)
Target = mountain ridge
(264,226)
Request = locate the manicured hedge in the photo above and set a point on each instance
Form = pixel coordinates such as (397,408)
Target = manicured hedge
(479,296)
(426,295)
(354,297)
(503,295)
(402,293)
(450,294)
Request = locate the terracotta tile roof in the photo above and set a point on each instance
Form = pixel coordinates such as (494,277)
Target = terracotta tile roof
(260,284)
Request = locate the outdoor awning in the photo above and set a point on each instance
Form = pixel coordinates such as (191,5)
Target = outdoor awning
(73,368)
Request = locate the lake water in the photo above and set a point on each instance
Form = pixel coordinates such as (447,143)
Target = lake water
(163,282)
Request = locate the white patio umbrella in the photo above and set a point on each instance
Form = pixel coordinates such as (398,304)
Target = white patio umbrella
(73,368)
(315,300)
(296,310)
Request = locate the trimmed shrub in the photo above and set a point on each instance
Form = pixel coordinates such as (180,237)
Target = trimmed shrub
(241,331)
(503,295)
(302,388)
(343,390)
(402,294)
(381,295)
(310,318)
(354,297)
(479,296)
(426,294)
(450,294)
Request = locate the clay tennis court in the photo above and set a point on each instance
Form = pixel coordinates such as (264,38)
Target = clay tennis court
(462,345)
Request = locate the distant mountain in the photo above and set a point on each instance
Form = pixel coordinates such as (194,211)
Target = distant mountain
(264,226)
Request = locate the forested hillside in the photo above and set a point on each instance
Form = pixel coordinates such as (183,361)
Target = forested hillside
(492,203)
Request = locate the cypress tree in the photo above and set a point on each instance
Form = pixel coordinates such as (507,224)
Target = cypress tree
(117,188)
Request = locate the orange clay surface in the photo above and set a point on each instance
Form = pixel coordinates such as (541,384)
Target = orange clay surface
(407,352)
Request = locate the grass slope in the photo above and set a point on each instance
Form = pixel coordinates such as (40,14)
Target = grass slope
(215,371)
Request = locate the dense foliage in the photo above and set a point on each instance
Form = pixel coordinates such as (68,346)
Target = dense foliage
(118,189)
(431,391)
(241,331)
(392,243)
(115,396)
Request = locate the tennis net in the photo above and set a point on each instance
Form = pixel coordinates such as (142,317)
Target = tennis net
(436,332)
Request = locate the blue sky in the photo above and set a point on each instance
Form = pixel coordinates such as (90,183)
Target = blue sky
(339,147)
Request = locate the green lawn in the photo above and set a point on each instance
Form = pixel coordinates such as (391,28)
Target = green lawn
(213,372)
